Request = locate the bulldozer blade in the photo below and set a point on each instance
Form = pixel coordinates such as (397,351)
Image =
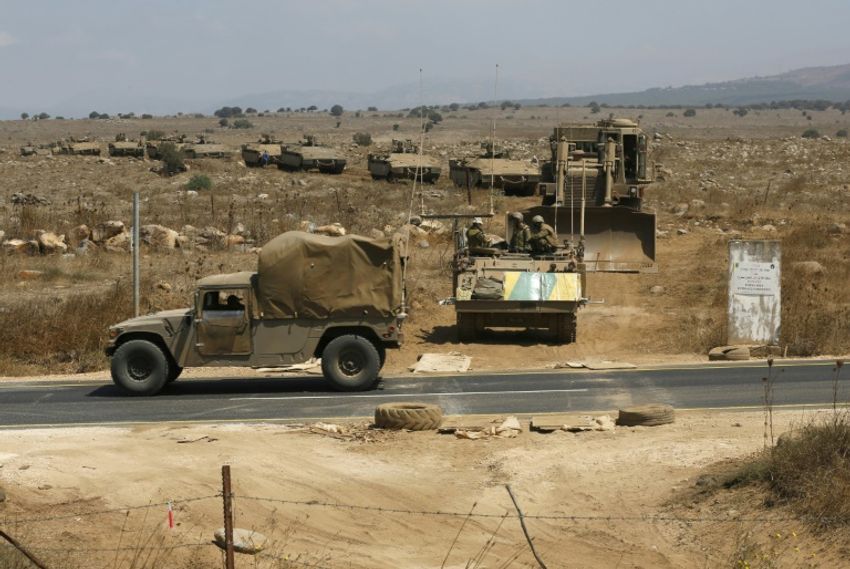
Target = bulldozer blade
(616,239)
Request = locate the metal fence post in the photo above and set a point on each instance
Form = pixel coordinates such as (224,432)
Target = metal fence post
(227,496)
(136,247)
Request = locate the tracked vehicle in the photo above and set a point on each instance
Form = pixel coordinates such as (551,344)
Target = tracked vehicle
(152,146)
(403,162)
(310,155)
(123,147)
(252,152)
(203,148)
(77,147)
(494,168)
(592,189)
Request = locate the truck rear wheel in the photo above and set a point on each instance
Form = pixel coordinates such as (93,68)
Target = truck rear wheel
(140,367)
(351,363)
(466,330)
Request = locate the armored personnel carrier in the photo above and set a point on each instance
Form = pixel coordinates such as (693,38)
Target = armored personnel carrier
(497,288)
(310,155)
(123,147)
(77,147)
(203,148)
(403,162)
(495,169)
(252,152)
(29,149)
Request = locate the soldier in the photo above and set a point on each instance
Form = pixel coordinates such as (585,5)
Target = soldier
(475,238)
(521,234)
(543,239)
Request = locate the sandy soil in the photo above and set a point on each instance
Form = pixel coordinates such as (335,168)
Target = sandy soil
(628,473)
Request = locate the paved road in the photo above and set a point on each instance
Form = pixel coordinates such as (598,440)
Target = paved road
(799,384)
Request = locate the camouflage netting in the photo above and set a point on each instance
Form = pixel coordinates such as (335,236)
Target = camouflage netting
(302,275)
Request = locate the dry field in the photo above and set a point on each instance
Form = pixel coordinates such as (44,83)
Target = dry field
(724,176)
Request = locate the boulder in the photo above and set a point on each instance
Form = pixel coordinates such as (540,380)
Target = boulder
(244,540)
(78,234)
(657,289)
(20,247)
(423,244)
(118,243)
(810,268)
(49,242)
(30,274)
(107,229)
(233,241)
(837,229)
(332,230)
(158,236)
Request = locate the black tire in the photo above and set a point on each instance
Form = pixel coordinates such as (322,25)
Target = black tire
(646,416)
(410,416)
(351,363)
(140,367)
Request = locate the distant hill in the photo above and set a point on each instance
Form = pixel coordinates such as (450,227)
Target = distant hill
(827,83)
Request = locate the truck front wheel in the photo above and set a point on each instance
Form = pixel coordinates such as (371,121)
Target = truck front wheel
(351,363)
(140,367)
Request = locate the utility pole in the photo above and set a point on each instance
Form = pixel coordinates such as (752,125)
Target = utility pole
(136,246)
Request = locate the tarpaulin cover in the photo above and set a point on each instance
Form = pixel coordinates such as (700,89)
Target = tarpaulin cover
(302,275)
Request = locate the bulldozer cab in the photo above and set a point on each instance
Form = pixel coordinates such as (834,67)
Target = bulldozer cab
(593,189)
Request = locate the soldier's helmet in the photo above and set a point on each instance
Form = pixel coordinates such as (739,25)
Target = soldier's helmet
(537,219)
(477,221)
(516,215)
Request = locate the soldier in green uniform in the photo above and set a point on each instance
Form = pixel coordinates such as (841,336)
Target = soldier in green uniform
(475,237)
(543,239)
(521,235)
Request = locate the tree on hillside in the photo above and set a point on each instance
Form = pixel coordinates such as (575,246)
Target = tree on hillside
(337,110)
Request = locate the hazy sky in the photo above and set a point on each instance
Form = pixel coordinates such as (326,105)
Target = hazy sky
(52,51)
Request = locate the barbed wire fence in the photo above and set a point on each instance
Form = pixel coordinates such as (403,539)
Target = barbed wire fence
(13,524)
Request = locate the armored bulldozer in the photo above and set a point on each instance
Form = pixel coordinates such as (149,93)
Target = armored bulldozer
(403,162)
(77,147)
(261,153)
(203,148)
(494,168)
(592,191)
(495,287)
(152,146)
(310,155)
(123,147)
(340,299)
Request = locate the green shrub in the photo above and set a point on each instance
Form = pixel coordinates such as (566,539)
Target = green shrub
(153,134)
(689,113)
(362,139)
(172,158)
(147,116)
(224,122)
(811,133)
(841,133)
(336,110)
(396,127)
(199,182)
(242,123)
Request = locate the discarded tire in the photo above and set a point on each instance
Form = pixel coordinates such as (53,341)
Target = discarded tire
(729,353)
(646,416)
(410,416)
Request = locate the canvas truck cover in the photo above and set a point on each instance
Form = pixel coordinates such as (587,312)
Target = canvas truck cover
(302,275)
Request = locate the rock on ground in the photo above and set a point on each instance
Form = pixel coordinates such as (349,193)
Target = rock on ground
(244,540)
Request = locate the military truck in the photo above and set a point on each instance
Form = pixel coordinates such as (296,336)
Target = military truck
(403,162)
(340,299)
(123,147)
(592,190)
(496,288)
(203,148)
(77,147)
(252,152)
(494,168)
(310,155)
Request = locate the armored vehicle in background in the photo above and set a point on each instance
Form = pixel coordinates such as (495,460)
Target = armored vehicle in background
(403,162)
(593,190)
(29,150)
(77,147)
(152,146)
(494,168)
(203,148)
(340,299)
(252,152)
(495,288)
(123,147)
(310,155)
